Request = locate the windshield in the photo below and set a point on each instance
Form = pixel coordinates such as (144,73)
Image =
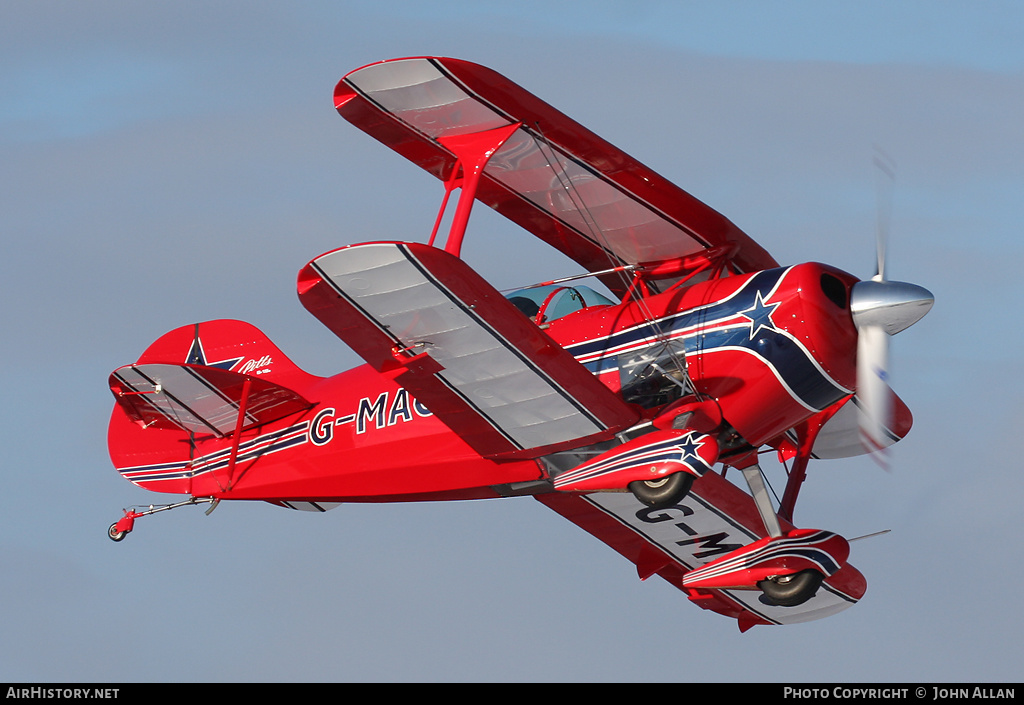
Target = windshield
(556,301)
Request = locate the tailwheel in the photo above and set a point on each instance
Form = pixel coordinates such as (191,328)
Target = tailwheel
(791,590)
(663,492)
(115,534)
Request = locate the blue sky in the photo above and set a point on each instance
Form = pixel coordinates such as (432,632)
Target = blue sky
(169,164)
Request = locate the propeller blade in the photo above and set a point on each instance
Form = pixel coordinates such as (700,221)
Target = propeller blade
(873,394)
(881,309)
(887,169)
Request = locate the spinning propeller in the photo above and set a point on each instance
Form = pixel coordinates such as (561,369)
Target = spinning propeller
(881,308)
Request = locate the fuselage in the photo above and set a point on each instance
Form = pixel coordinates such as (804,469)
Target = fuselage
(771,348)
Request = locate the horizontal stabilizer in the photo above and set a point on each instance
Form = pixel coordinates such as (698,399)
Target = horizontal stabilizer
(200,399)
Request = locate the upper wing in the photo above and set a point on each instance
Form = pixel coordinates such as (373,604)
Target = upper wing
(553,177)
(715,518)
(460,347)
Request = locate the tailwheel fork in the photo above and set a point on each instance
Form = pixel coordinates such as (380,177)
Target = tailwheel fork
(123,526)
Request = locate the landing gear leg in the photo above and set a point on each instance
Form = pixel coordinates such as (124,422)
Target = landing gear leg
(784,590)
(752,474)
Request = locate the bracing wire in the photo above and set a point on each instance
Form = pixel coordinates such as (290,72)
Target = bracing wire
(598,236)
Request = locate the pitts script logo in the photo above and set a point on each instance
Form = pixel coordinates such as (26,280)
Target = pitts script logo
(256,367)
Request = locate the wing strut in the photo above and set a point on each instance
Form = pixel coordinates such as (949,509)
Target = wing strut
(242,404)
(472,151)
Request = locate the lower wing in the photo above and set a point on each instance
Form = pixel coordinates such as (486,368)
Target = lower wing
(714,519)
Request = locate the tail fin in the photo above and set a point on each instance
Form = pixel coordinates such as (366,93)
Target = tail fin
(228,345)
(191,397)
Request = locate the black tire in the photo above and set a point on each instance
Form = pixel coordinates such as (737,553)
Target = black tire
(664,492)
(791,590)
(114,534)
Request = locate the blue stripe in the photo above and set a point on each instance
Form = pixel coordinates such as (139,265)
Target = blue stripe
(790,361)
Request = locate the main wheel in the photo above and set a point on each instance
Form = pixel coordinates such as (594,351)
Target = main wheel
(114,534)
(791,590)
(663,492)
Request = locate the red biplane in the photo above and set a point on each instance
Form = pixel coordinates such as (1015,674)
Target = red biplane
(621,412)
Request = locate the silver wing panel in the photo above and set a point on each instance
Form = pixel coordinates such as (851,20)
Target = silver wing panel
(387,284)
